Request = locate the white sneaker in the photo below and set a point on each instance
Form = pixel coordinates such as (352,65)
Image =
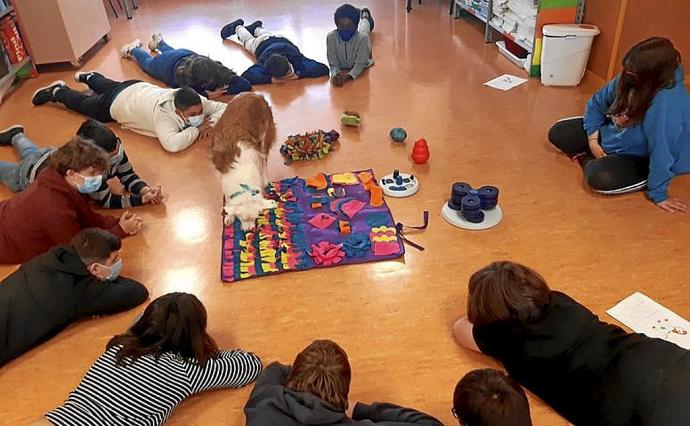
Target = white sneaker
(126,50)
(156,38)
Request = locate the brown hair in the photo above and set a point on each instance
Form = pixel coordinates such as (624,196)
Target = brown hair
(78,154)
(489,397)
(505,290)
(648,67)
(176,323)
(322,369)
(95,245)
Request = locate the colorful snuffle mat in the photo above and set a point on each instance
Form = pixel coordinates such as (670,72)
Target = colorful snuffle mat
(320,221)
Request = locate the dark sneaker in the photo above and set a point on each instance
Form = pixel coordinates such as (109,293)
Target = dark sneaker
(366,14)
(253,26)
(84,76)
(47,94)
(229,30)
(10,132)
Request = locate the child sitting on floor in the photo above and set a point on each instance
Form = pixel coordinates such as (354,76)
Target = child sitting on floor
(349,46)
(489,397)
(314,391)
(18,176)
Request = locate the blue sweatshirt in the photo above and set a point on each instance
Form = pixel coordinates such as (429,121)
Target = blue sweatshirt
(304,67)
(663,135)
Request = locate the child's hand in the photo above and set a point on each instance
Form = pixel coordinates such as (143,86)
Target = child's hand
(338,80)
(673,205)
(152,195)
(130,223)
(206,128)
(216,94)
(116,187)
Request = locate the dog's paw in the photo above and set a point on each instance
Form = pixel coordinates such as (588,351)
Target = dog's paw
(270,204)
(248,225)
(228,220)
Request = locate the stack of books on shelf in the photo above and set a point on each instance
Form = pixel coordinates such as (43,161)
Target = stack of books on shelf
(12,49)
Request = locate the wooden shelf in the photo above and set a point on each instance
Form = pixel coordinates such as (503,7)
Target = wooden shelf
(6,11)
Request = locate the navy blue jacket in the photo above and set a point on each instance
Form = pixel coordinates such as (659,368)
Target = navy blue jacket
(304,67)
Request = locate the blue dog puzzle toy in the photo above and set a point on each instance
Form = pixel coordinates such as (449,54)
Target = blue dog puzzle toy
(399,185)
(398,134)
(470,208)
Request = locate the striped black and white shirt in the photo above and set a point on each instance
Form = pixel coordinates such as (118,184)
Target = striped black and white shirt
(130,180)
(105,198)
(147,391)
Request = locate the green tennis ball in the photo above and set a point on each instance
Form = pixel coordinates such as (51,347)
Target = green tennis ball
(398,134)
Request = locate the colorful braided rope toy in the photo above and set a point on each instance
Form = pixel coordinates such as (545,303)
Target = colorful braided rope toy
(309,146)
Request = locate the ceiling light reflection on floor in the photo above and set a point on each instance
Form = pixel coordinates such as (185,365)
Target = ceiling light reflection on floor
(191,225)
(388,270)
(181,280)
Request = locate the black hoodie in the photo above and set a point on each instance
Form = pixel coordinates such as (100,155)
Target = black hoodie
(50,291)
(272,404)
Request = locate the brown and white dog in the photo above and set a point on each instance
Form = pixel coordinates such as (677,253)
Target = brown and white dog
(242,139)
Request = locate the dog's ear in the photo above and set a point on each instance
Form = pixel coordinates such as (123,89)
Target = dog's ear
(221,152)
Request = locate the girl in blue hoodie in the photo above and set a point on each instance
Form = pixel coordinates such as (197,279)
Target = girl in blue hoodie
(636,130)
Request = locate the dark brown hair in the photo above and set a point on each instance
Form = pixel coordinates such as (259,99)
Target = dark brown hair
(322,369)
(78,154)
(648,67)
(489,397)
(95,245)
(505,290)
(176,323)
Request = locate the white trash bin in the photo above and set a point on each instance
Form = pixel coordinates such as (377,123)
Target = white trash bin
(564,53)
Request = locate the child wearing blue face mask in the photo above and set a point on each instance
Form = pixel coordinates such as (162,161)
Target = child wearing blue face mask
(278,60)
(53,209)
(177,117)
(349,46)
(33,160)
(68,282)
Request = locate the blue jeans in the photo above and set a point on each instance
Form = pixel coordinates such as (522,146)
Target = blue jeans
(162,66)
(16,175)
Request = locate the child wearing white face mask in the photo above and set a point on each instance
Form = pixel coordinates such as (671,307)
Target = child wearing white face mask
(33,160)
(177,117)
(66,283)
(52,210)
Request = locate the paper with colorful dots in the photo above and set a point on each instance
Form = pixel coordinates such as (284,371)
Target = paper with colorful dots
(644,315)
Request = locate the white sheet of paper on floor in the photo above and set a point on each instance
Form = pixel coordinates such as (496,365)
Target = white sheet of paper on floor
(505,82)
(643,315)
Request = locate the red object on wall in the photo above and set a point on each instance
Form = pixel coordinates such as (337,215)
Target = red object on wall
(420,151)
(12,41)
